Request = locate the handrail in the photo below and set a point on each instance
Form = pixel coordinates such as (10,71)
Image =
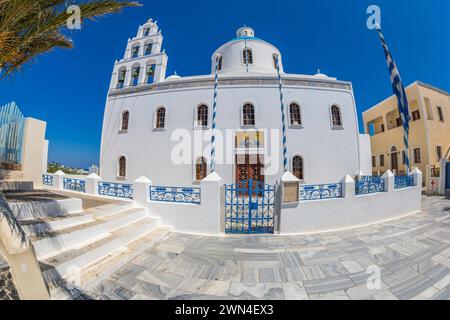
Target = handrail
(18,251)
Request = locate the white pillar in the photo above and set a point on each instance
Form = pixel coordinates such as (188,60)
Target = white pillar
(58,179)
(212,200)
(417,174)
(290,185)
(389,181)
(141,190)
(442,182)
(348,187)
(92,184)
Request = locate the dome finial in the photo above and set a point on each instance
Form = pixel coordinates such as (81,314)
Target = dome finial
(245,32)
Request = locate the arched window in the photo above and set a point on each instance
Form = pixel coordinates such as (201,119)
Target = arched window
(295,115)
(121,78)
(248,115)
(125,121)
(336,118)
(150,73)
(202,116)
(135,51)
(220,63)
(146,31)
(247,56)
(122,167)
(201,169)
(148,48)
(160,118)
(135,75)
(297,167)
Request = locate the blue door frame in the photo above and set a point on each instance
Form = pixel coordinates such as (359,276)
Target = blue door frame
(249,207)
(447,176)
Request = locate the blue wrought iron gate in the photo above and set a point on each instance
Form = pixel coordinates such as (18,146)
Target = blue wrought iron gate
(249,207)
(447,176)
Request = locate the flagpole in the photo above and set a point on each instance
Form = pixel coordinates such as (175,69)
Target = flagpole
(283,116)
(402,99)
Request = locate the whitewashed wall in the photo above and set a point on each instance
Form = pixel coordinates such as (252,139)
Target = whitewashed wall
(328,154)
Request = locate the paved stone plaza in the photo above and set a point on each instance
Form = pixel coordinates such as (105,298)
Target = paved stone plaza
(413,254)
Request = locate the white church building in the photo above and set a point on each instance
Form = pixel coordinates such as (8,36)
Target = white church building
(152,121)
(246,149)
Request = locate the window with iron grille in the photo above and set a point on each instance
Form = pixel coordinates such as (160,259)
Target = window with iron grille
(161,118)
(202,116)
(125,120)
(201,169)
(297,167)
(247,56)
(122,167)
(295,115)
(248,115)
(336,117)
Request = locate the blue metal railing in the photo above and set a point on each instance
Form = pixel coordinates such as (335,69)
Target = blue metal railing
(113,189)
(74,184)
(368,185)
(320,191)
(175,194)
(404,182)
(48,180)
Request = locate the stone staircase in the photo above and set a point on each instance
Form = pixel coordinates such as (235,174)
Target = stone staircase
(76,246)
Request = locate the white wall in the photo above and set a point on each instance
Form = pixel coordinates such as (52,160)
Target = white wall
(328,154)
(365,154)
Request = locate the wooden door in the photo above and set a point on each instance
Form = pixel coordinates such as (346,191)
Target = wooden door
(249,167)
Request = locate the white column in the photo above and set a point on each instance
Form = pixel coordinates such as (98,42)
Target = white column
(92,184)
(417,174)
(212,200)
(442,182)
(58,179)
(141,190)
(348,187)
(389,181)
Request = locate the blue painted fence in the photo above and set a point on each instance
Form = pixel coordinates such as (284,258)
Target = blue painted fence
(12,127)
(320,191)
(404,182)
(369,184)
(175,194)
(48,180)
(112,189)
(74,184)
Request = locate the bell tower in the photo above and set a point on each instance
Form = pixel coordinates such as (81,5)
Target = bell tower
(144,61)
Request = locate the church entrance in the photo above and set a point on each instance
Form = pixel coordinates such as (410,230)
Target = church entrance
(394,159)
(249,167)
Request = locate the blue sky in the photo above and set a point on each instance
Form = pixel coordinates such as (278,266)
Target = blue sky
(67,88)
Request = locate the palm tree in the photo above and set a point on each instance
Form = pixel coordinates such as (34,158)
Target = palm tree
(29,28)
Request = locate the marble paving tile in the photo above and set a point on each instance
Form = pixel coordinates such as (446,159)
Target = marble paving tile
(265,291)
(112,290)
(385,295)
(333,269)
(333,295)
(154,291)
(174,248)
(328,284)
(295,291)
(427,294)
(444,294)
(250,275)
(271,275)
(313,272)
(164,279)
(363,292)
(218,288)
(412,287)
(352,266)
(444,282)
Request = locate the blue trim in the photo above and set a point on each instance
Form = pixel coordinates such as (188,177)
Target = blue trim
(369,184)
(175,194)
(112,189)
(320,191)
(48,180)
(74,184)
(403,182)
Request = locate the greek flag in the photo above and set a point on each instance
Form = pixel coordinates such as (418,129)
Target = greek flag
(399,91)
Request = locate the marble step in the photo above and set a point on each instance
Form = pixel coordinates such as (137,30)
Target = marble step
(16,185)
(35,208)
(83,235)
(90,261)
(38,229)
